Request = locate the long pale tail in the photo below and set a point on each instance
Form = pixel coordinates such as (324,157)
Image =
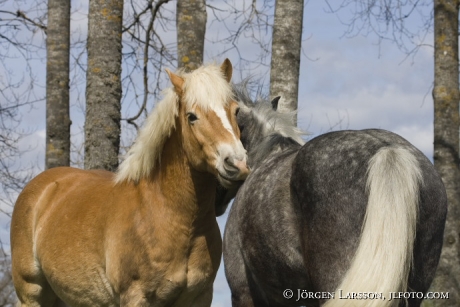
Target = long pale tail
(384,256)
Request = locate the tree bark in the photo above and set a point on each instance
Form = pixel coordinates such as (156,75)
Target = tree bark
(446,144)
(191,19)
(286,46)
(103,87)
(57,84)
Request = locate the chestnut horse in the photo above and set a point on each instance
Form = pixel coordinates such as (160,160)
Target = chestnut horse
(146,236)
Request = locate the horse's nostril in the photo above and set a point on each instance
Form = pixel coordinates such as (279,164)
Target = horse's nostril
(230,165)
(236,168)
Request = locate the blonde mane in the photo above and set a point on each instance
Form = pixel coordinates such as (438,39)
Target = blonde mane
(205,87)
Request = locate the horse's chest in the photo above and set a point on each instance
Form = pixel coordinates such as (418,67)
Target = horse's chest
(174,274)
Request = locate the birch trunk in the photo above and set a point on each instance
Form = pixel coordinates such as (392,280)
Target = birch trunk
(57,84)
(191,28)
(103,87)
(446,145)
(286,46)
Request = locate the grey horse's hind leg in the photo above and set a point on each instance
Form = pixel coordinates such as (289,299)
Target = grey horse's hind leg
(244,293)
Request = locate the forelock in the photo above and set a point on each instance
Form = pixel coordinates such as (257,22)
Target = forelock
(206,87)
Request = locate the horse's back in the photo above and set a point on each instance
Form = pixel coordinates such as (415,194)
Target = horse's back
(55,190)
(330,185)
(46,228)
(44,194)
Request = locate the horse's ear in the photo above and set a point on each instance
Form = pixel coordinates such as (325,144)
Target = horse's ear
(177,81)
(227,69)
(275,103)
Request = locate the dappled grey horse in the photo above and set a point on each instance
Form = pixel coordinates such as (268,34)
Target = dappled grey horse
(350,218)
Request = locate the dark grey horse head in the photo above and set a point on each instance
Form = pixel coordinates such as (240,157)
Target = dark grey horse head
(261,128)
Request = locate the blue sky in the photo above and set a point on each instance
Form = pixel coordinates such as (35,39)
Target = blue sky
(345,83)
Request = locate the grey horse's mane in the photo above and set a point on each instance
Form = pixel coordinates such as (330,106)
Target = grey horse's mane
(270,123)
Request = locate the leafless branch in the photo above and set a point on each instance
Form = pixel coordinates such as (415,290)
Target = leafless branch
(387,21)
(154,11)
(20,14)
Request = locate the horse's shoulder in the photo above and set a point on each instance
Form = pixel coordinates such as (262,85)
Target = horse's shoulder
(266,188)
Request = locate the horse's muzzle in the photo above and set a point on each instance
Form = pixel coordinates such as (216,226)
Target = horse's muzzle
(234,172)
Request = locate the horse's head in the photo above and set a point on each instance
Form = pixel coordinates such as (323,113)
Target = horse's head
(262,130)
(207,118)
(261,121)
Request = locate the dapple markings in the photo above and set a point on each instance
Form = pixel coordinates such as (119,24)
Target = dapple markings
(346,212)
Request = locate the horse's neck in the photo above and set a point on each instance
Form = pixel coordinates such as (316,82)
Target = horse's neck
(186,191)
(269,147)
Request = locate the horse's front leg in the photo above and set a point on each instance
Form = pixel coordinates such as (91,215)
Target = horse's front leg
(138,298)
(144,295)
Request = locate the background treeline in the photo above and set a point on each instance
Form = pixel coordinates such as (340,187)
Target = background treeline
(105,63)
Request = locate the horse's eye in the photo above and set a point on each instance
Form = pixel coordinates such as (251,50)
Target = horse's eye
(191,117)
(237,111)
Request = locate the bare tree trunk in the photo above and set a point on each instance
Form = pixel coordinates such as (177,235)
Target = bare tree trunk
(191,27)
(446,144)
(57,84)
(286,45)
(103,87)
